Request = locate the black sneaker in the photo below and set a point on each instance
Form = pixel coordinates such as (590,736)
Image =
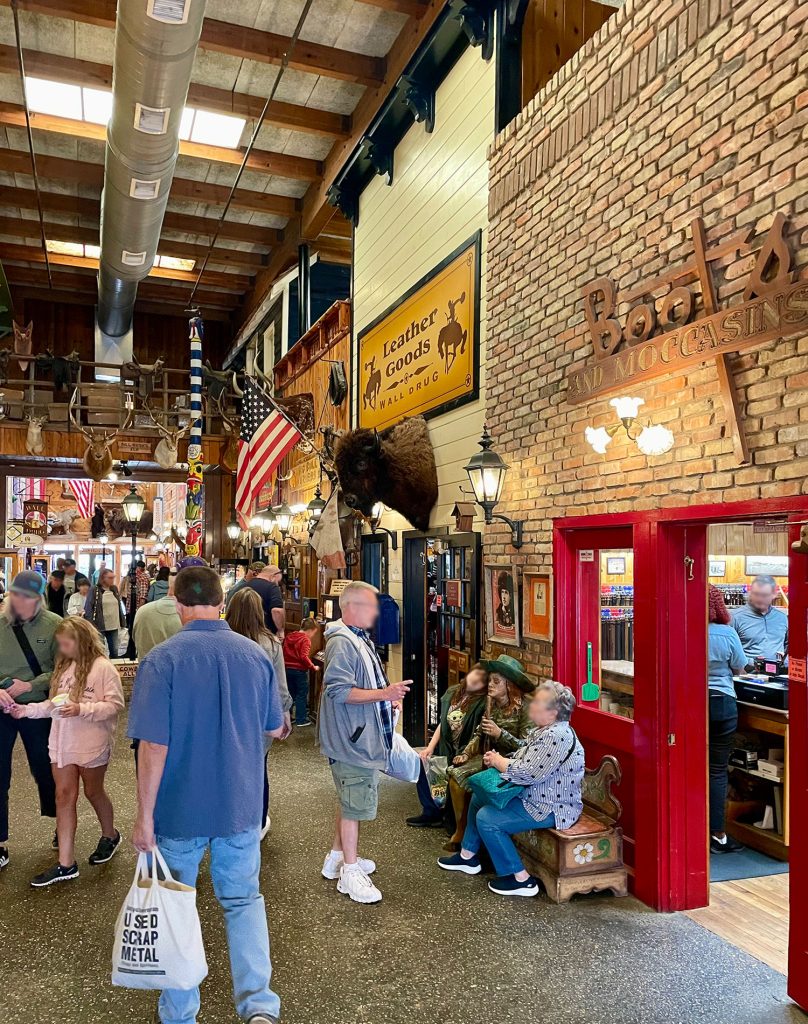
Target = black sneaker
(425,821)
(507,885)
(729,845)
(106,849)
(3,857)
(470,866)
(55,841)
(55,874)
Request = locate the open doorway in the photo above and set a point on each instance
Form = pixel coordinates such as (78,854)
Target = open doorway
(748,736)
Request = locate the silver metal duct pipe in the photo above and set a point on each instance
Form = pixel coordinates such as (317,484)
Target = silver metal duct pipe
(155,45)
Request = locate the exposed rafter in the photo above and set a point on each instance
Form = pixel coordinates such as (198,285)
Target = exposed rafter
(80,172)
(234,40)
(310,120)
(263,161)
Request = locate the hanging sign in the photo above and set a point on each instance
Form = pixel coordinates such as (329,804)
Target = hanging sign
(586,555)
(664,334)
(421,356)
(35,522)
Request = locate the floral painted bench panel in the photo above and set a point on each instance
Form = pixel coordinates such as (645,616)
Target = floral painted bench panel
(589,856)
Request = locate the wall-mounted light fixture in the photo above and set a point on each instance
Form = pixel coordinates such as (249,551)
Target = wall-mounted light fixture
(486,470)
(375,521)
(315,508)
(283,517)
(233,527)
(651,439)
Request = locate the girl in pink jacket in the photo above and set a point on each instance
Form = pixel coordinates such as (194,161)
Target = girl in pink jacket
(85,699)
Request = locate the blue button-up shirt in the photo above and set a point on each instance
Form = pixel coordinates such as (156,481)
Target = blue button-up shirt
(762,636)
(208,694)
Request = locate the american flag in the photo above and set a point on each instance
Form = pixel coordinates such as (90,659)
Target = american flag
(83,493)
(266,437)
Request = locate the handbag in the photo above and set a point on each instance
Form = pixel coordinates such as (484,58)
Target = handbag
(490,788)
(403,763)
(158,937)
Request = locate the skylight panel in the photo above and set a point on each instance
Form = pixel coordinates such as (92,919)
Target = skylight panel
(64,248)
(92,252)
(97,105)
(174,263)
(217,129)
(186,122)
(48,97)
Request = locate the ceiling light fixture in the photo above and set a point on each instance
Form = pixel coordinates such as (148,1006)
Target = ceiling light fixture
(653,439)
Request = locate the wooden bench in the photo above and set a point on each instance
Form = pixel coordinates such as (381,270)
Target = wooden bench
(589,856)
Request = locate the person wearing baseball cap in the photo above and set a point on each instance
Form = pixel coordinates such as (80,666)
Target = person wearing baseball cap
(27,653)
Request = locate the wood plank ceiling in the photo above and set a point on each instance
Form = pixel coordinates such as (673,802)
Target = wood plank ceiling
(349,54)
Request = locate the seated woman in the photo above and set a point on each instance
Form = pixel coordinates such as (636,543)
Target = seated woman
(549,766)
(461,709)
(508,724)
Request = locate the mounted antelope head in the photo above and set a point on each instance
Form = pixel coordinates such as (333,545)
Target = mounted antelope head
(34,444)
(97,459)
(165,452)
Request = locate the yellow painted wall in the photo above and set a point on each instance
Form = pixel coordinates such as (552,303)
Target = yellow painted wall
(438,199)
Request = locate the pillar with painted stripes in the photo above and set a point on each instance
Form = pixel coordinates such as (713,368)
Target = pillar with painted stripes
(195,495)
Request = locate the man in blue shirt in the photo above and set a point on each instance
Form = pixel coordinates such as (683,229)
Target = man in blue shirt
(201,703)
(762,628)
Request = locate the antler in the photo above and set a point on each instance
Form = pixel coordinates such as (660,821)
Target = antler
(71,413)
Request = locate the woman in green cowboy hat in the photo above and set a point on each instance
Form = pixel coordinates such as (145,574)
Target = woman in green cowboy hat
(508,687)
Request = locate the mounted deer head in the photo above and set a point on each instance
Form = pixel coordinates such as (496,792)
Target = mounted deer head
(34,444)
(165,452)
(97,459)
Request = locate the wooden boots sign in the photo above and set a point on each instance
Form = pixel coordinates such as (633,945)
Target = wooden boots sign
(661,336)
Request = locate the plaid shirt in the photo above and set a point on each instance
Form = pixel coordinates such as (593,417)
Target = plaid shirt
(385,706)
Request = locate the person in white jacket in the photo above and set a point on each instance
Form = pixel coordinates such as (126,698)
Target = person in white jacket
(86,698)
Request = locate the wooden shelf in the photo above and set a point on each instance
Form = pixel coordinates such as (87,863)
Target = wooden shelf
(757,775)
(765,840)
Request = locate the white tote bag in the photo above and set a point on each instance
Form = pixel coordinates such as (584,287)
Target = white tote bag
(403,762)
(158,938)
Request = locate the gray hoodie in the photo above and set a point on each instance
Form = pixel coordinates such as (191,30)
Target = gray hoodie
(351,733)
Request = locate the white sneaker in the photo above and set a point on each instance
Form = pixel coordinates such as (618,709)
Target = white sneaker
(333,865)
(355,883)
(266,827)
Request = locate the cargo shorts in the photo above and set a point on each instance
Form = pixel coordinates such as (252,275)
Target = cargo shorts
(357,790)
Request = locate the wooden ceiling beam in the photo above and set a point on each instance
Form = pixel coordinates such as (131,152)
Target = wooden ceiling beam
(186,223)
(237,283)
(309,120)
(29,228)
(235,40)
(261,161)
(84,173)
(412,8)
(78,281)
(316,208)
(74,298)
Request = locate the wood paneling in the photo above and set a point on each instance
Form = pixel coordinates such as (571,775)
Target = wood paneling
(553,31)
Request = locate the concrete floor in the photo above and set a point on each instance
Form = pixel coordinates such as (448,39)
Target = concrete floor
(438,948)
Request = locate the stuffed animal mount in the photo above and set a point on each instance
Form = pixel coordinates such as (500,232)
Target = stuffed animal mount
(395,466)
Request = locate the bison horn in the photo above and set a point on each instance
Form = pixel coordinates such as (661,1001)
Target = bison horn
(376,444)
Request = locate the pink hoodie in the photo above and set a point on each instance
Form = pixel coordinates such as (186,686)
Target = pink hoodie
(85,738)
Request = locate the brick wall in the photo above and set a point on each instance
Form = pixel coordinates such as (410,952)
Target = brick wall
(675,108)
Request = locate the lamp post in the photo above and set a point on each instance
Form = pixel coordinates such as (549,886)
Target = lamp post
(133,507)
(486,471)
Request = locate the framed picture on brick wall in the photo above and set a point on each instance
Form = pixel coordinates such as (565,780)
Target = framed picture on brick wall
(502,603)
(537,606)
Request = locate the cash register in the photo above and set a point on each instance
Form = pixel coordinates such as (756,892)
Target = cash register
(767,684)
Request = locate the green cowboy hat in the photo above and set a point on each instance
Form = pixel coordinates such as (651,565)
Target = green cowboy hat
(513,671)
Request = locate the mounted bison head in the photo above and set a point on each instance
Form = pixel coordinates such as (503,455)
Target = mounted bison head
(395,466)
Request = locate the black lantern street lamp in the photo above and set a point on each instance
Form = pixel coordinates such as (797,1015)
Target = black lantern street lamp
(376,525)
(315,508)
(486,471)
(233,528)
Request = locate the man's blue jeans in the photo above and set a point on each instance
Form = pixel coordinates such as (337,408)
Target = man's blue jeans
(494,827)
(234,865)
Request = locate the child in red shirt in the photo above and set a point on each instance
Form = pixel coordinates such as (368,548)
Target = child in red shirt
(297,658)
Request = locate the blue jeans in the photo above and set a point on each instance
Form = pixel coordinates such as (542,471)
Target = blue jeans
(234,864)
(111,637)
(494,828)
(297,680)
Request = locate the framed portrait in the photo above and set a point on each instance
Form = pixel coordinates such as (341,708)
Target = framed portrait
(615,565)
(537,606)
(502,603)
(718,568)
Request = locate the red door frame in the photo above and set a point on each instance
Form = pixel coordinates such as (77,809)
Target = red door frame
(666,857)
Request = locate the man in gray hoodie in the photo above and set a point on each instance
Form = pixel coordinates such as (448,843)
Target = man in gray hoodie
(356,733)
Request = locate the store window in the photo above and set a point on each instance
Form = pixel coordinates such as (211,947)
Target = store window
(617,631)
